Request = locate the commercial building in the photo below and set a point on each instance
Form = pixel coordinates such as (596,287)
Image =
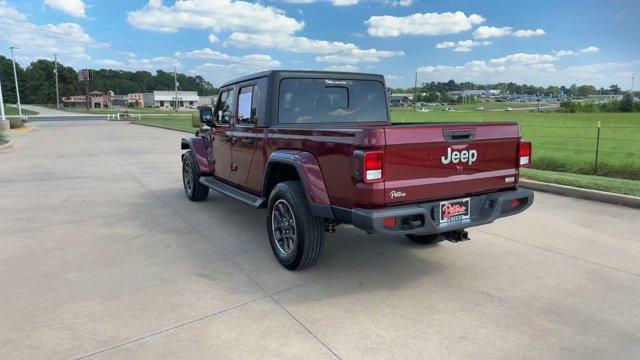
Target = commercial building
(476,93)
(401,99)
(97,100)
(167,99)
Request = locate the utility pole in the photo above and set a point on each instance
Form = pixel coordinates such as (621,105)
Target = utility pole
(633,77)
(415,88)
(15,76)
(175,83)
(55,70)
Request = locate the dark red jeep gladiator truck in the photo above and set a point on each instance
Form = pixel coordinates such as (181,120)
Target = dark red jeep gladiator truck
(318,149)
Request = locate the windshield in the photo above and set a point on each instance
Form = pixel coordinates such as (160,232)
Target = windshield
(304,101)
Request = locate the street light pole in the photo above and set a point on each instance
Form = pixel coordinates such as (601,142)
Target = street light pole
(55,70)
(175,83)
(15,76)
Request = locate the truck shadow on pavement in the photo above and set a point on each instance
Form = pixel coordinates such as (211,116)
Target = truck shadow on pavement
(240,234)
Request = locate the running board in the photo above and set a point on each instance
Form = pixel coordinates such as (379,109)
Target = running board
(226,189)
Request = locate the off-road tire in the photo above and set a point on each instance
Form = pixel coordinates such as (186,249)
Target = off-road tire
(309,230)
(194,190)
(430,239)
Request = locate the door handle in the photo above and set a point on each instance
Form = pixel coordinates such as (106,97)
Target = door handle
(247,141)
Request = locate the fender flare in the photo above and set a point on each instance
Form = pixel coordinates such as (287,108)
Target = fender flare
(310,175)
(199,149)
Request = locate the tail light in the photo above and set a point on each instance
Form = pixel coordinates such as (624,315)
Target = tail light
(367,166)
(525,152)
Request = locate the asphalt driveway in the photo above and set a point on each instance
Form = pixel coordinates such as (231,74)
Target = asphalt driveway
(102,256)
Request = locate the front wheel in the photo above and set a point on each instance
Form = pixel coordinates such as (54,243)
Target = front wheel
(296,236)
(194,190)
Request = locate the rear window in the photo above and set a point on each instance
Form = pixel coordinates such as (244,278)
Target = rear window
(307,101)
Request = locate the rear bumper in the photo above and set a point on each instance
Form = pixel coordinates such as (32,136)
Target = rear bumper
(484,210)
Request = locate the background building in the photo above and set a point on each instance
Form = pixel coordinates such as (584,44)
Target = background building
(167,99)
(401,99)
(97,100)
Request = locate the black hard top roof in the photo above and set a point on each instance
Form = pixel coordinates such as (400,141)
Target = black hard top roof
(306,73)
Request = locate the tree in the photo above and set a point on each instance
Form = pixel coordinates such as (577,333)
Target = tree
(614,89)
(8,82)
(626,104)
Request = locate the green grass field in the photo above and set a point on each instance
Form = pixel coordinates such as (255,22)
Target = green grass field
(178,122)
(602,183)
(13,111)
(563,142)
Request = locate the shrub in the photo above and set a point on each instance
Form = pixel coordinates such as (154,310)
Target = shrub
(16,123)
(626,104)
(195,121)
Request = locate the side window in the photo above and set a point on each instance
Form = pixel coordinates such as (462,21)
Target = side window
(247,105)
(225,107)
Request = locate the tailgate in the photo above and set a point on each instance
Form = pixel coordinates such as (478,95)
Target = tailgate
(443,161)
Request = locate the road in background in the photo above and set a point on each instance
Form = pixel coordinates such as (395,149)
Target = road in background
(104,257)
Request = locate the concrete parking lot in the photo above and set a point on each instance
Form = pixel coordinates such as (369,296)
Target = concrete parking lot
(102,256)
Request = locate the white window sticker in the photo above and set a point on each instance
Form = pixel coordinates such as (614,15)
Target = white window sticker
(244,105)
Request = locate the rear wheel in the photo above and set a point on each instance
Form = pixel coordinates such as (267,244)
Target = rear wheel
(430,239)
(194,190)
(296,236)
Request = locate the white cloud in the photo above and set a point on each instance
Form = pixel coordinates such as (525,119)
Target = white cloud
(560,53)
(355,56)
(528,33)
(445,45)
(485,32)
(333,2)
(422,24)
(461,46)
(344,2)
(345,68)
(334,51)
(213,39)
(165,63)
(68,40)
(590,49)
(291,43)
(110,63)
(219,73)
(402,3)
(535,69)
(206,53)
(524,59)
(217,15)
(75,8)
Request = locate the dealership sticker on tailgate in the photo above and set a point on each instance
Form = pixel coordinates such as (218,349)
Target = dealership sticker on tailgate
(454,210)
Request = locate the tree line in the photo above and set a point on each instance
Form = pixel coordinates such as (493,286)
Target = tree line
(37,82)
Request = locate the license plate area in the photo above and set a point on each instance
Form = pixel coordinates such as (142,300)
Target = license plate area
(454,210)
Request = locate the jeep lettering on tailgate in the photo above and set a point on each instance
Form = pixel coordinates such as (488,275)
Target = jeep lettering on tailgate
(460,156)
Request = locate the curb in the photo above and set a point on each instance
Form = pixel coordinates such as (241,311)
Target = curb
(6,147)
(587,194)
(161,127)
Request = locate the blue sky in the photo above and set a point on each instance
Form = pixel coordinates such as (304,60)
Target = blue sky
(536,42)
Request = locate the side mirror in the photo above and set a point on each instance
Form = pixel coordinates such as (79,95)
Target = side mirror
(208,120)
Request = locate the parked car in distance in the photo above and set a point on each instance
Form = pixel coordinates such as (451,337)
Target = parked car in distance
(318,149)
